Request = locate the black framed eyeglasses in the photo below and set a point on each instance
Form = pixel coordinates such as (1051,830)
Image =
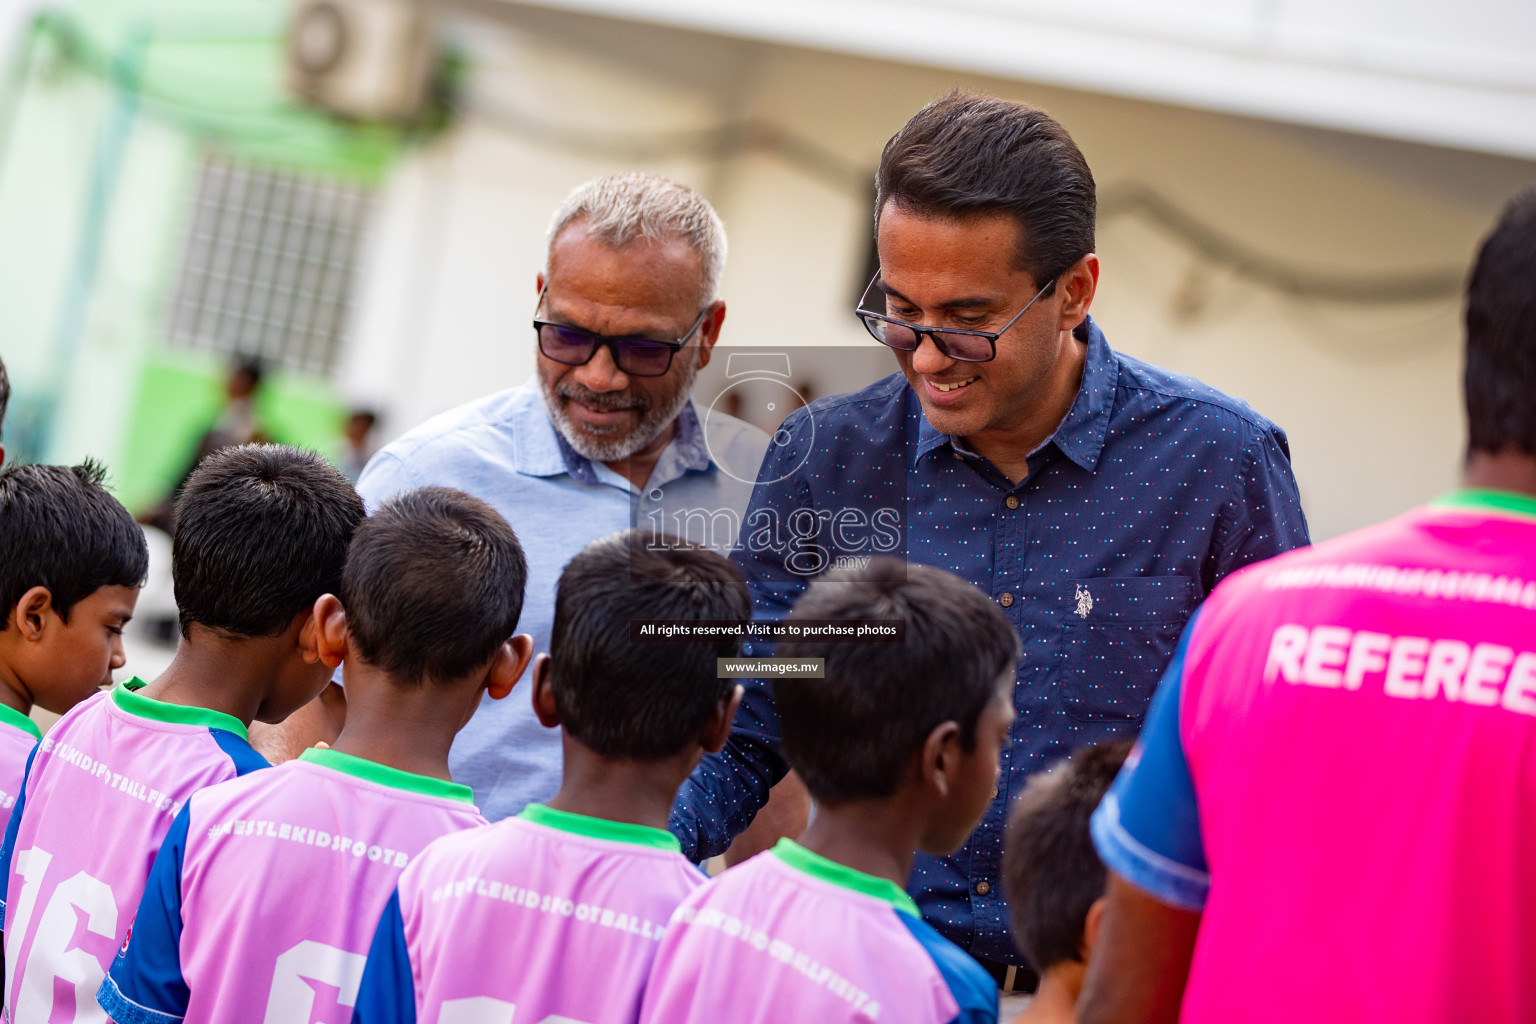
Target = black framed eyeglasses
(636,356)
(965,346)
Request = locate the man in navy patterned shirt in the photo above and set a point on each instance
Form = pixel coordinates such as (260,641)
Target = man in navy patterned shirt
(1096,498)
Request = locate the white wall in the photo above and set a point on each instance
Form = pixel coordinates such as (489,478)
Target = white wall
(1460,74)
(1369,395)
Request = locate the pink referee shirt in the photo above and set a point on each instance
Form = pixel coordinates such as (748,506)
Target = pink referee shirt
(1339,771)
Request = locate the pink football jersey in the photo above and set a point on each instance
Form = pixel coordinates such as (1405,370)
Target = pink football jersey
(18,738)
(267,891)
(1339,771)
(791,936)
(545,916)
(100,795)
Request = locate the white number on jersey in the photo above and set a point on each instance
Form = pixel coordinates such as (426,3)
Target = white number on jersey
(292,999)
(49,958)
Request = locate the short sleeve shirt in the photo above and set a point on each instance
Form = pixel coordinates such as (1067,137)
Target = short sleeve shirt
(99,798)
(18,738)
(263,899)
(579,903)
(791,936)
(1340,766)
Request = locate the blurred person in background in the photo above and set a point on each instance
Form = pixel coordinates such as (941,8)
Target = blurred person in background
(237,423)
(1097,499)
(5,400)
(357,437)
(627,312)
(1340,763)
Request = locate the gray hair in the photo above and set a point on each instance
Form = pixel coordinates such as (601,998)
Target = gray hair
(620,208)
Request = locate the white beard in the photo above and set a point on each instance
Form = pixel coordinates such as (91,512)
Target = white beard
(609,447)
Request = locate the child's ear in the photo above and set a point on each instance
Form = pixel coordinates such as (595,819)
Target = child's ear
(327,626)
(719,728)
(508,665)
(32,612)
(941,758)
(544,694)
(1091,927)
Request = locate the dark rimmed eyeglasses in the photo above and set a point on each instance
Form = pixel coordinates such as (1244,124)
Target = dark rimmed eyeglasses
(965,346)
(638,357)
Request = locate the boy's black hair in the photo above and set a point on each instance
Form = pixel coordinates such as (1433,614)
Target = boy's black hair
(1051,870)
(61,529)
(850,734)
(634,699)
(5,395)
(433,585)
(261,532)
(1500,377)
(969,154)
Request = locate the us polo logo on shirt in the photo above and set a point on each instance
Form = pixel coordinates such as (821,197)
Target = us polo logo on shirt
(1084,601)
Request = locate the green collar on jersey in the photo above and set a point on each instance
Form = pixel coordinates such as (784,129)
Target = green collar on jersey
(384,775)
(601,828)
(817,866)
(10,716)
(127,697)
(1488,500)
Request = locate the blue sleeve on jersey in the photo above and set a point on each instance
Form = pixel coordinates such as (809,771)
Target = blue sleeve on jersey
(1147,828)
(8,847)
(145,985)
(240,752)
(973,988)
(387,994)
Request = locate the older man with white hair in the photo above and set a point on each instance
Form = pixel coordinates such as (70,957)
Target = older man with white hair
(604,436)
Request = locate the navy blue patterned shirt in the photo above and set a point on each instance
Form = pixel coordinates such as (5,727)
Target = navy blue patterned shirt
(1153,488)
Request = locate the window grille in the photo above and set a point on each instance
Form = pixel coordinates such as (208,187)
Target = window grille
(267,265)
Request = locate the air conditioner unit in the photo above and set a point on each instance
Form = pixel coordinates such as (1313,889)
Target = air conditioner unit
(368,59)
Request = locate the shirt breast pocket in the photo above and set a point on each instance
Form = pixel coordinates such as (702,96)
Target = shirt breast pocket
(1119,636)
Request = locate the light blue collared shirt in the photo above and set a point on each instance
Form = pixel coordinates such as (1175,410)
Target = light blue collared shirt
(505,450)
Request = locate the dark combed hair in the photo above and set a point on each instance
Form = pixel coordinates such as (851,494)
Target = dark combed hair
(969,154)
(261,532)
(1500,377)
(433,585)
(61,529)
(850,734)
(5,395)
(1051,869)
(634,699)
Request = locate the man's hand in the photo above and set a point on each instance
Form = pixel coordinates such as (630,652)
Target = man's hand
(1138,967)
(319,721)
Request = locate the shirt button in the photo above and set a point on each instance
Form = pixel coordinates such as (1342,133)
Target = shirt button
(1011,501)
(1006,600)
(982,888)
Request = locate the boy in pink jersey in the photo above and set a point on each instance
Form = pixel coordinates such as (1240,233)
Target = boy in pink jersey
(1341,759)
(71,562)
(261,533)
(555,914)
(264,897)
(899,747)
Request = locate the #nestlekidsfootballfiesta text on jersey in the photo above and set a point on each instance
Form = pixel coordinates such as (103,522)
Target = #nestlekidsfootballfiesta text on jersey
(545,916)
(791,936)
(268,889)
(1339,772)
(101,792)
(18,738)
